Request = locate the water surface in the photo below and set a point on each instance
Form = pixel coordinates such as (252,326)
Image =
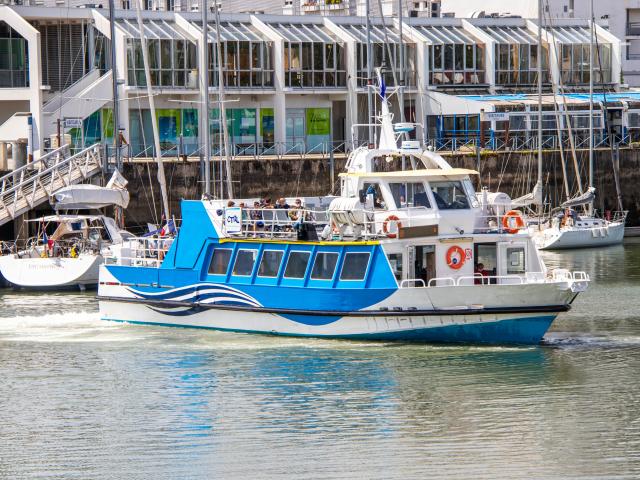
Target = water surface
(83,398)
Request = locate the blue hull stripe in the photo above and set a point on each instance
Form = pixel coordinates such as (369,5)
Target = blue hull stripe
(518,331)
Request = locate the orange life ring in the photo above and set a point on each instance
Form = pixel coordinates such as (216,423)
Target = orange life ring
(455,257)
(512,221)
(385,225)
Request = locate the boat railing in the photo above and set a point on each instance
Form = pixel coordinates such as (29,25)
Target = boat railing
(51,248)
(478,279)
(142,252)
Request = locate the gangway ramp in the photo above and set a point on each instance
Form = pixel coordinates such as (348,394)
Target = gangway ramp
(31,185)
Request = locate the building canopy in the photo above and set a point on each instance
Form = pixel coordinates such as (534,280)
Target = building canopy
(303,32)
(442,34)
(520,35)
(153,29)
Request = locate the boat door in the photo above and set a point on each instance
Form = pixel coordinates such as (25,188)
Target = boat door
(512,260)
(421,261)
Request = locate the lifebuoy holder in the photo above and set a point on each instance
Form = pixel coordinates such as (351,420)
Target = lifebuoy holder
(385,226)
(512,221)
(456,257)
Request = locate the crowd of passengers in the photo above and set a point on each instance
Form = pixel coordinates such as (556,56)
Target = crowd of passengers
(258,219)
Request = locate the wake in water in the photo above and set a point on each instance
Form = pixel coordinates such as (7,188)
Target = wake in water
(576,340)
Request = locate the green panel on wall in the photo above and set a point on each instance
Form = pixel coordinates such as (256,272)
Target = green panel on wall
(318,121)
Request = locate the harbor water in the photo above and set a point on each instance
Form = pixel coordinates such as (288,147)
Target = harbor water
(83,398)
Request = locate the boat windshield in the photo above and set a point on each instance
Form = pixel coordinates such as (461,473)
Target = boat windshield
(449,195)
(409,194)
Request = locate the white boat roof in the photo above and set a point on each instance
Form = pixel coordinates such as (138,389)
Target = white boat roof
(425,172)
(65,218)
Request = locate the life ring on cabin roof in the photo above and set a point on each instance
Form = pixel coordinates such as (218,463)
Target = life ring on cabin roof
(455,257)
(385,226)
(513,221)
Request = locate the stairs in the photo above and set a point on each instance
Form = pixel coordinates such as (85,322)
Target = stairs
(87,95)
(33,184)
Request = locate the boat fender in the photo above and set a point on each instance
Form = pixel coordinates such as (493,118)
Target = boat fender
(513,221)
(455,257)
(385,226)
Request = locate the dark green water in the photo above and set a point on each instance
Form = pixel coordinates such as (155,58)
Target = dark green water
(81,398)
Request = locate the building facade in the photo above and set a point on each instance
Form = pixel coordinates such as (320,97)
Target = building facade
(620,17)
(295,84)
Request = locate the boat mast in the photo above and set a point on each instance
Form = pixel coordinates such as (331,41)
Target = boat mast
(204,89)
(152,107)
(369,75)
(538,186)
(591,143)
(221,108)
(114,81)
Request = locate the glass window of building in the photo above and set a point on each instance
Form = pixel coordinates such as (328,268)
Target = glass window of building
(313,57)
(573,47)
(247,58)
(385,46)
(13,58)
(456,57)
(516,54)
(172,55)
(449,195)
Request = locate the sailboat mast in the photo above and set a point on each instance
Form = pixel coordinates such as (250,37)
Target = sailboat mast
(204,89)
(114,80)
(539,180)
(152,107)
(222,109)
(591,143)
(369,75)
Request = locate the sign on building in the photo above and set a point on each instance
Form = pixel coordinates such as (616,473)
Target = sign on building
(72,123)
(494,117)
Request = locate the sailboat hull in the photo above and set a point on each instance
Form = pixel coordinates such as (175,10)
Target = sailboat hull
(51,273)
(580,237)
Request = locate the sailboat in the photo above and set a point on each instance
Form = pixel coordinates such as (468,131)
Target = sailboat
(566,227)
(78,244)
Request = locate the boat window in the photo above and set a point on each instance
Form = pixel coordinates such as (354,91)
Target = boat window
(486,262)
(324,266)
(243,265)
(395,261)
(410,194)
(449,195)
(515,261)
(297,264)
(471,193)
(220,261)
(270,263)
(374,189)
(355,266)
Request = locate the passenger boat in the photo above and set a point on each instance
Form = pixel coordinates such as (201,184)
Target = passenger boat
(401,255)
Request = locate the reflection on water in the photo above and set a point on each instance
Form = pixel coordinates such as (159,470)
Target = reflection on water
(89,399)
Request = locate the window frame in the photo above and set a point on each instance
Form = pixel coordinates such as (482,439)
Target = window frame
(335,266)
(235,261)
(304,275)
(266,250)
(366,270)
(213,253)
